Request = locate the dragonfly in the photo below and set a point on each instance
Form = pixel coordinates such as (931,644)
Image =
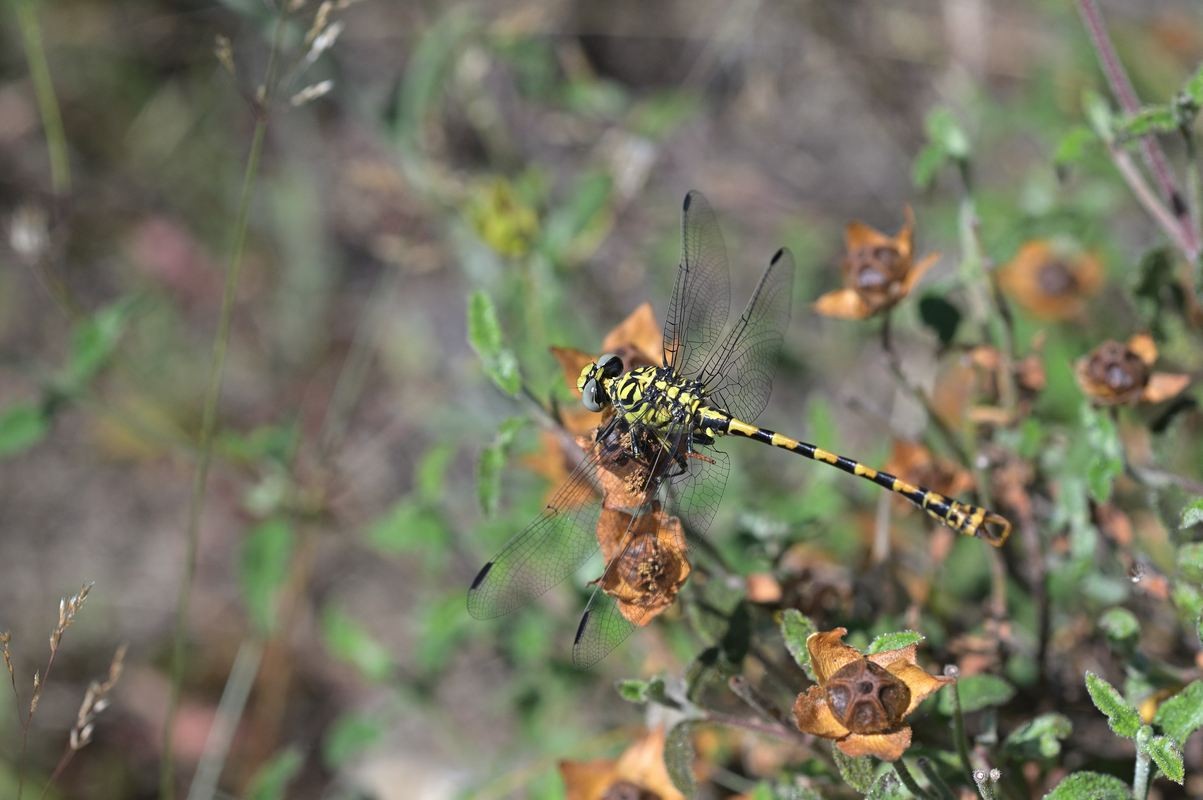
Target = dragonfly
(661,432)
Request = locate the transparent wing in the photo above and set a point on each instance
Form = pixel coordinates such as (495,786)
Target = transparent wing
(695,494)
(550,548)
(603,627)
(701,297)
(738,375)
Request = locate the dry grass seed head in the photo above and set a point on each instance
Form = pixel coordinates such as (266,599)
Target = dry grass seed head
(96,701)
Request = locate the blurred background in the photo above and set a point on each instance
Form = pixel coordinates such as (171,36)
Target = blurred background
(537,152)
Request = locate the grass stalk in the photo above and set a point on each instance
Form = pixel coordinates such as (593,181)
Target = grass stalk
(43,88)
(200,481)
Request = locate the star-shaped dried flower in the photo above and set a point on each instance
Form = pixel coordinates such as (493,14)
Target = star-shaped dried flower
(1050,280)
(862,702)
(639,773)
(878,271)
(1115,373)
(650,561)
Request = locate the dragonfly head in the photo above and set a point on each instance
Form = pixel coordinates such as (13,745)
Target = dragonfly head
(595,379)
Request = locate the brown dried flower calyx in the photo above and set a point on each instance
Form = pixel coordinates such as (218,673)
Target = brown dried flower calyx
(878,271)
(1119,373)
(649,558)
(1050,280)
(638,774)
(860,701)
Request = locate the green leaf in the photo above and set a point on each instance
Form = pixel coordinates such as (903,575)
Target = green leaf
(856,772)
(431,473)
(941,316)
(1194,87)
(92,343)
(272,780)
(1182,714)
(1151,119)
(1105,459)
(408,526)
(633,691)
(484,334)
(894,641)
(426,73)
(795,628)
(888,786)
(1192,514)
(1121,716)
(1098,113)
(679,756)
(492,463)
(570,221)
(1090,786)
(1190,561)
(1073,146)
(1039,738)
(263,569)
(944,131)
(21,427)
(976,692)
(349,736)
(1167,757)
(1120,625)
(926,164)
(348,641)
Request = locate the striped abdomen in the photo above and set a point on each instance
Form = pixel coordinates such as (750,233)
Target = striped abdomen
(964,518)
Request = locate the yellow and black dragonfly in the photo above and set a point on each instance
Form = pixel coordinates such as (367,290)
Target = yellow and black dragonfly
(658,444)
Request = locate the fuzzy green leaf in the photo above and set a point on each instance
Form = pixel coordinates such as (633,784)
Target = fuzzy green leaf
(92,343)
(484,334)
(349,736)
(926,164)
(263,569)
(1192,514)
(1039,738)
(633,691)
(944,131)
(1121,716)
(894,641)
(1182,714)
(679,756)
(21,427)
(1167,757)
(492,464)
(273,778)
(888,787)
(1098,113)
(795,628)
(1073,146)
(1090,786)
(1194,87)
(976,692)
(856,772)
(349,641)
(1152,119)
(1120,625)
(1190,561)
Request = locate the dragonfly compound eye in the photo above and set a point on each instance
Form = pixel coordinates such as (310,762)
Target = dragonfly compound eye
(591,395)
(610,365)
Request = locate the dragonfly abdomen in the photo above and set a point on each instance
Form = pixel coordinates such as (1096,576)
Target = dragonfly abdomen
(964,518)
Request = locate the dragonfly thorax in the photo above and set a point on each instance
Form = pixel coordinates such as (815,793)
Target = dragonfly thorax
(655,397)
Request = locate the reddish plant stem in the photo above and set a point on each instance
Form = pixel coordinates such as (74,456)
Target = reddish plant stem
(1178,215)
